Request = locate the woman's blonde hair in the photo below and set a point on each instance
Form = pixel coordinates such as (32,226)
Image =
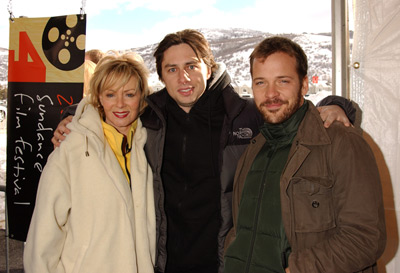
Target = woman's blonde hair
(115,71)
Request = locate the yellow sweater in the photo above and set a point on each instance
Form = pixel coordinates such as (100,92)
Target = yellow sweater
(121,146)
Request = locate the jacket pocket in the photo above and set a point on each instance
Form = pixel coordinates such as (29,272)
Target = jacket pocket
(312,204)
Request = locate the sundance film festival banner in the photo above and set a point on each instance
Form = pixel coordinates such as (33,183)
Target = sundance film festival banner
(45,75)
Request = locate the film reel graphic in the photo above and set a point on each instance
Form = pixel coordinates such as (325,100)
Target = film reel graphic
(63,41)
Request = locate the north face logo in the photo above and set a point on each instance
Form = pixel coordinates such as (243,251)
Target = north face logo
(243,133)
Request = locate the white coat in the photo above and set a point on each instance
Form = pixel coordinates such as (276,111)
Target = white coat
(86,218)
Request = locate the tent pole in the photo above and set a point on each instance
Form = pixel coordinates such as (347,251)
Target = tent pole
(340,48)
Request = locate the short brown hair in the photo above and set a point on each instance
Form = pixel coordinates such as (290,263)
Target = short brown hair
(113,70)
(94,55)
(191,37)
(276,44)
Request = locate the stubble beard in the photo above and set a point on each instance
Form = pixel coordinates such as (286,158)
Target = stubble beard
(276,116)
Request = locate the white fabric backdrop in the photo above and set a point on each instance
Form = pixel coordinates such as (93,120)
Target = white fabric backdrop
(375,87)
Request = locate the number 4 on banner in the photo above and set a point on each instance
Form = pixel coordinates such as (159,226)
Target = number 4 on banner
(25,70)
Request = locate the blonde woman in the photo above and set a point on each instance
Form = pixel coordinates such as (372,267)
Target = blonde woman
(95,205)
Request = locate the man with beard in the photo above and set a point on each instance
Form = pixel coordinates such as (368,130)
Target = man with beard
(306,198)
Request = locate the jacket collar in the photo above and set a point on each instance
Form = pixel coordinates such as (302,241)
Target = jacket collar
(284,132)
(86,119)
(88,123)
(311,133)
(154,115)
(311,130)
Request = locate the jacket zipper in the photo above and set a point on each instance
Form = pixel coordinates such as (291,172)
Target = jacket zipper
(183,156)
(125,149)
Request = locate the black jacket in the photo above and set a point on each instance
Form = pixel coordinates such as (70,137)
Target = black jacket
(241,121)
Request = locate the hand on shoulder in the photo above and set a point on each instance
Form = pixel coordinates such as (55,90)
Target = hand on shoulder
(61,131)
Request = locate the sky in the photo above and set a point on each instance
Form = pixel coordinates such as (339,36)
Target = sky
(123,24)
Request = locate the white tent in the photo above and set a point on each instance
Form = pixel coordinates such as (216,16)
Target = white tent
(375,87)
